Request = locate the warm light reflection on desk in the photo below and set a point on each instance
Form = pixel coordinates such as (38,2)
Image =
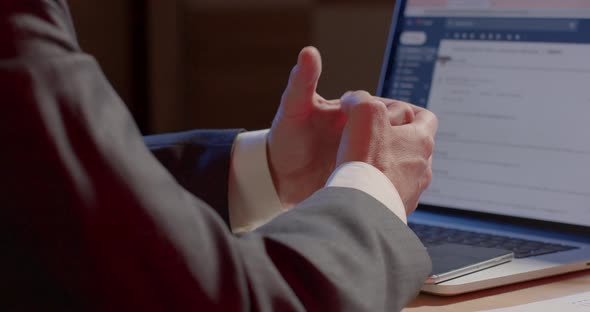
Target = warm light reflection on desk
(522,293)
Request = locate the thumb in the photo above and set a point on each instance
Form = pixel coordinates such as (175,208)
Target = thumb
(298,97)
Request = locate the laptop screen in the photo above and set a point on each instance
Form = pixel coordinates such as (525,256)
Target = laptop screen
(510,83)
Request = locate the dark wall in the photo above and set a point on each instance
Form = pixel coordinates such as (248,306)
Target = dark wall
(114,32)
(225,63)
(238,62)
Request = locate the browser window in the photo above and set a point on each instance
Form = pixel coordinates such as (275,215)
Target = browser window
(512,93)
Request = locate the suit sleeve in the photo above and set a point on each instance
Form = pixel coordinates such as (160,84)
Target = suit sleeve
(95,222)
(199,160)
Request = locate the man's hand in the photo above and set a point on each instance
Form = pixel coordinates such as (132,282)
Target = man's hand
(306,131)
(305,134)
(403,152)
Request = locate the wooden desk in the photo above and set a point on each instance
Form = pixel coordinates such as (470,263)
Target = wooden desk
(507,296)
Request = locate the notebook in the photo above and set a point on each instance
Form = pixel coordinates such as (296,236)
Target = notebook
(510,83)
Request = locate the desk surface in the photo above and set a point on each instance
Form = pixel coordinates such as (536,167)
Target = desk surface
(506,296)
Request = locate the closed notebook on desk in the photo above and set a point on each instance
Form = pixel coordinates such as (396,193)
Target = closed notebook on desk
(510,84)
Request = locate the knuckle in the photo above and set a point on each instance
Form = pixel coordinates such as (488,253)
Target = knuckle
(425,141)
(434,120)
(405,105)
(429,119)
(401,107)
(408,113)
(428,145)
(424,165)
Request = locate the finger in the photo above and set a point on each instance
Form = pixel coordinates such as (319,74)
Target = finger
(400,113)
(417,108)
(353,101)
(388,101)
(298,97)
(364,111)
(366,119)
(427,120)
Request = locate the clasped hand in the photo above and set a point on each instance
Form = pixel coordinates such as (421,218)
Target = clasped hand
(311,136)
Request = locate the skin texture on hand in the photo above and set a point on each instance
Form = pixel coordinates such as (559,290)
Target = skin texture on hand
(305,136)
(403,152)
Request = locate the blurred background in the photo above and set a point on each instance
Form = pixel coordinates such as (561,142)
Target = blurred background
(184,64)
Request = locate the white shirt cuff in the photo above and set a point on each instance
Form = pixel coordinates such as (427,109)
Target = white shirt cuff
(364,177)
(253,200)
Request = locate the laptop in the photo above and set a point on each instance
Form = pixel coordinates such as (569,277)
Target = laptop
(510,83)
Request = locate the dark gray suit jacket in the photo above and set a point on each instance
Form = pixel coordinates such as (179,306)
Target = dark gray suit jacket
(91,220)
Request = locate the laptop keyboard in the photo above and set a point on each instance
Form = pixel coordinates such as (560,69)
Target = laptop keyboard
(522,248)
